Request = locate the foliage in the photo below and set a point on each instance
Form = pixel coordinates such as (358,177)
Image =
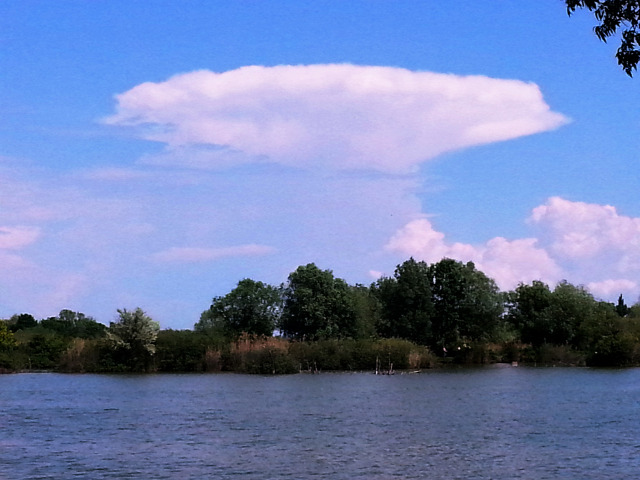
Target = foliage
(614,16)
(406,305)
(7,348)
(571,306)
(133,338)
(7,339)
(396,323)
(252,307)
(554,317)
(610,340)
(530,312)
(44,351)
(367,312)
(22,321)
(82,355)
(262,355)
(316,305)
(180,351)
(439,305)
(467,303)
(74,324)
(360,355)
(621,308)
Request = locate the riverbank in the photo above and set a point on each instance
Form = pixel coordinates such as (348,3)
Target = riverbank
(274,355)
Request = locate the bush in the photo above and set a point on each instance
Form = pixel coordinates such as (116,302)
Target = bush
(81,356)
(613,351)
(180,351)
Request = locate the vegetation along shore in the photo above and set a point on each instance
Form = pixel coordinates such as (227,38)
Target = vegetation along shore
(423,316)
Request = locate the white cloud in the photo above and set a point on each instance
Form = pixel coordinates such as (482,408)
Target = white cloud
(195,254)
(507,262)
(584,243)
(341,116)
(521,260)
(583,230)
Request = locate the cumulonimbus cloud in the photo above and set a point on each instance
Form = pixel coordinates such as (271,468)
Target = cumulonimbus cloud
(584,243)
(335,115)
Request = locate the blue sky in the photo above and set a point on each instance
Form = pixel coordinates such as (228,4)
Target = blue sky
(155,153)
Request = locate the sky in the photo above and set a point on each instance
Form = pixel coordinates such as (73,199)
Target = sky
(153,154)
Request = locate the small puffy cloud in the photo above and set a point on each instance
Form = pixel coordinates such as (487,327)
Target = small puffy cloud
(507,262)
(195,254)
(18,237)
(336,115)
(584,243)
(418,238)
(582,231)
(520,260)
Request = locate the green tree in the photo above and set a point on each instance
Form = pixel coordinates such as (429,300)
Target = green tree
(7,346)
(367,309)
(554,317)
(7,340)
(614,16)
(467,303)
(180,351)
(252,307)
(530,312)
(406,305)
(22,321)
(74,324)
(133,338)
(316,305)
(634,310)
(570,306)
(621,308)
(608,339)
(44,350)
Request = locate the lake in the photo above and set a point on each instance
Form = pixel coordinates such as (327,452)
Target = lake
(496,422)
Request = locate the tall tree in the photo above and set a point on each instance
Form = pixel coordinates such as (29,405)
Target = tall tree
(316,305)
(133,336)
(367,309)
(530,312)
(22,321)
(467,303)
(406,303)
(614,16)
(555,317)
(621,308)
(570,306)
(252,307)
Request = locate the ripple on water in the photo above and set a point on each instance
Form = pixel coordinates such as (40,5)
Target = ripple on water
(477,423)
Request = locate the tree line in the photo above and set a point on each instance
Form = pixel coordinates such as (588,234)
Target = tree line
(423,315)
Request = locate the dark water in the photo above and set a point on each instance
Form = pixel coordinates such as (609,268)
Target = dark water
(489,423)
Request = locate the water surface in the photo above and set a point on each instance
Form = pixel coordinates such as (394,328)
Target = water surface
(480,423)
